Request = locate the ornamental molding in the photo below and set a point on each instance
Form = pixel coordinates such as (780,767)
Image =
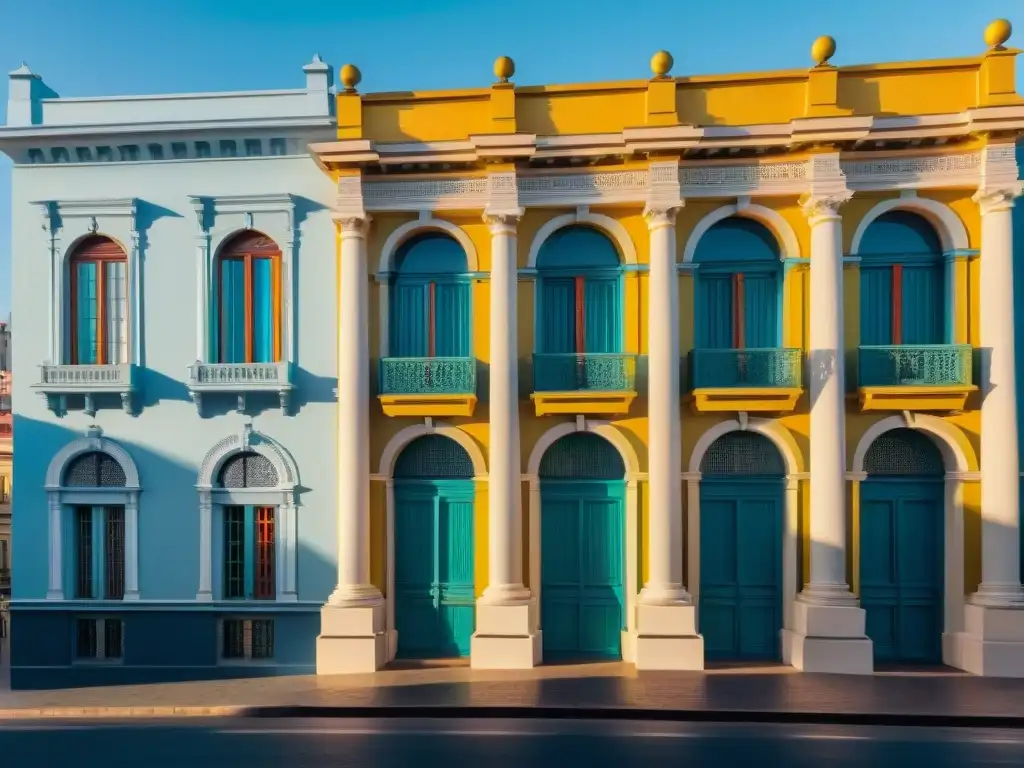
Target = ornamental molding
(665,184)
(246,440)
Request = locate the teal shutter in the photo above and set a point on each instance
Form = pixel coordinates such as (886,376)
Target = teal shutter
(558,315)
(232,291)
(761,313)
(87,312)
(408,329)
(923,304)
(455,567)
(715,320)
(602,330)
(452,320)
(876,306)
(262,311)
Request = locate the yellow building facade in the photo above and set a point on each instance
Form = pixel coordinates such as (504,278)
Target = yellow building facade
(680,370)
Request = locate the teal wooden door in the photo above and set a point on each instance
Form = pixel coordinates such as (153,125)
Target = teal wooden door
(901,571)
(582,601)
(741,568)
(434,590)
(582,492)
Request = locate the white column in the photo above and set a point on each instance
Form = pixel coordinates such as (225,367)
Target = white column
(205,591)
(55,590)
(354,587)
(666,620)
(506,634)
(131,547)
(1000,478)
(505,543)
(665,579)
(693,536)
(826,381)
(825,628)
(352,624)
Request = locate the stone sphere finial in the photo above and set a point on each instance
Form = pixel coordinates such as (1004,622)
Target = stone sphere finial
(504,68)
(661,63)
(823,49)
(997,33)
(350,76)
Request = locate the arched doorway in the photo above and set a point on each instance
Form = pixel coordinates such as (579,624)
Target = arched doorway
(741,521)
(434,549)
(902,545)
(582,488)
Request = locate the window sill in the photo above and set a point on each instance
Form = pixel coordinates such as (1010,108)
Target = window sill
(583,402)
(428,404)
(246,662)
(58,382)
(97,662)
(745,399)
(915,398)
(240,380)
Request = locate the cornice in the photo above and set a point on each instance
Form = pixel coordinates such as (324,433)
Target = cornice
(9,134)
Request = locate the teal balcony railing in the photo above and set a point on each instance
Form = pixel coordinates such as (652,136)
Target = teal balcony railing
(766,367)
(934,365)
(427,376)
(587,372)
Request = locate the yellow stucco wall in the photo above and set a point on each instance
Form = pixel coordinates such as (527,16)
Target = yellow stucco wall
(635,426)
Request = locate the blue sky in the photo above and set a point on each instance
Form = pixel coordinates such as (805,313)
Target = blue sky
(110,47)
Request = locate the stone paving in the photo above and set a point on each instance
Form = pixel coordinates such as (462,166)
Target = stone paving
(585,687)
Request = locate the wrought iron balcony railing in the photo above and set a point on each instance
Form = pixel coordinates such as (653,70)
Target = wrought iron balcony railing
(587,372)
(427,376)
(935,365)
(57,382)
(755,368)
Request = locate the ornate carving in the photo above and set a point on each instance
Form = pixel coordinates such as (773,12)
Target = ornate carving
(736,180)
(902,172)
(502,223)
(996,200)
(354,226)
(661,216)
(284,464)
(584,188)
(819,207)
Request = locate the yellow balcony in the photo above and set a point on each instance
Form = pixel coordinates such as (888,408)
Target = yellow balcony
(751,380)
(934,377)
(596,384)
(427,386)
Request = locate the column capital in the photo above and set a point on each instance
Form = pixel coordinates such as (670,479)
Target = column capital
(819,208)
(502,222)
(994,200)
(661,214)
(353,225)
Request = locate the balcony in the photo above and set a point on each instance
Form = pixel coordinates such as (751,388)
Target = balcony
(580,384)
(427,386)
(765,380)
(92,382)
(934,377)
(240,380)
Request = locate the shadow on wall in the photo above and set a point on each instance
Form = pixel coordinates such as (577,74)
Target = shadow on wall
(167,642)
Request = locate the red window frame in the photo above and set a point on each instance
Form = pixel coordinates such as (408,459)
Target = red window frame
(102,251)
(264,582)
(246,248)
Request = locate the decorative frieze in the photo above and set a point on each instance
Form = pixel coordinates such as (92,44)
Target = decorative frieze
(693,180)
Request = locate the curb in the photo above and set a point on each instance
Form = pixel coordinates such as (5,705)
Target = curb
(522,712)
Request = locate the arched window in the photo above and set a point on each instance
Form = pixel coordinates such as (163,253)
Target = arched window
(738,299)
(902,282)
(430,303)
(94,470)
(99,303)
(249,293)
(579,298)
(250,530)
(248,470)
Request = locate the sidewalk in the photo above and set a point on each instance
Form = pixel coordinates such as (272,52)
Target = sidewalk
(770,694)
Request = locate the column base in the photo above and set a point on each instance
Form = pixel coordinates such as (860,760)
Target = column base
(352,640)
(667,639)
(828,638)
(506,636)
(992,643)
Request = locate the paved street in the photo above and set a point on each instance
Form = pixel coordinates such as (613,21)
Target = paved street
(496,743)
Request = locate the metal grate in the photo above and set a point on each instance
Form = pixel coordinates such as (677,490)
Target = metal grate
(113,639)
(248,470)
(233,639)
(234,552)
(582,456)
(85,639)
(262,639)
(434,456)
(83,553)
(114,546)
(904,452)
(94,470)
(744,454)
(263,588)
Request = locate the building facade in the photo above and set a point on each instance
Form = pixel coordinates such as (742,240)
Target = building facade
(169,417)
(678,370)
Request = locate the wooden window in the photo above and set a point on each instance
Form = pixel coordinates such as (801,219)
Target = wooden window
(249,289)
(99,559)
(247,639)
(99,303)
(249,558)
(99,639)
